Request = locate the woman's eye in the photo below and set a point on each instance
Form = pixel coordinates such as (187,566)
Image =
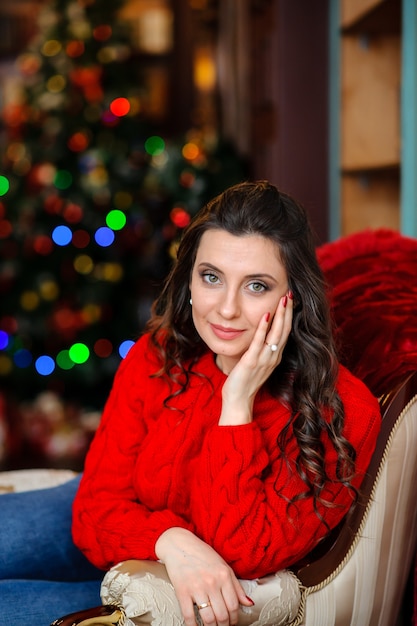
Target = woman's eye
(258,287)
(210,278)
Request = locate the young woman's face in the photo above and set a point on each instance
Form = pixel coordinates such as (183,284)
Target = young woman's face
(234,282)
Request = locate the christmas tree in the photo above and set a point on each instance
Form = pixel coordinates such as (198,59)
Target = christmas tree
(92,201)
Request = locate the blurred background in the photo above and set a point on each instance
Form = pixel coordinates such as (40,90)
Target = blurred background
(119,119)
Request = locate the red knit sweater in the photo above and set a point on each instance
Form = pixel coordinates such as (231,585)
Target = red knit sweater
(150,468)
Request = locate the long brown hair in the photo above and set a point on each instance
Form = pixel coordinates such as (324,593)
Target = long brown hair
(306,376)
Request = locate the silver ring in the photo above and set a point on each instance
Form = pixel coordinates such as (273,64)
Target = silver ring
(204,605)
(272,346)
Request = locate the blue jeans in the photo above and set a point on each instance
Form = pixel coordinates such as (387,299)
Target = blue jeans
(43,575)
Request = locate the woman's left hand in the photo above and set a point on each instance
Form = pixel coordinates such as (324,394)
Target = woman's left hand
(201,578)
(256,365)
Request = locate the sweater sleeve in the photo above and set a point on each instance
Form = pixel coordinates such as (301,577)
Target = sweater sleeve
(109,523)
(235,504)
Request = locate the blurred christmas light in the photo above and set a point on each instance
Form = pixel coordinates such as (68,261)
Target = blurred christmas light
(64,361)
(29,300)
(80,239)
(120,107)
(51,48)
(160,160)
(62,235)
(4,185)
(180,217)
(49,289)
(63,179)
(83,264)
(5,229)
(109,119)
(79,353)
(45,173)
(72,213)
(22,167)
(190,151)
(108,54)
(102,32)
(4,340)
(64,319)
(43,245)
(154,145)
(44,365)
(53,204)
(125,347)
(204,69)
(29,63)
(6,365)
(78,142)
(187,179)
(22,358)
(104,236)
(116,219)
(103,348)
(15,151)
(91,313)
(56,83)
(112,272)
(8,324)
(75,48)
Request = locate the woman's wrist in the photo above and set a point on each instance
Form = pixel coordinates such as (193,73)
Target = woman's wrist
(236,414)
(170,538)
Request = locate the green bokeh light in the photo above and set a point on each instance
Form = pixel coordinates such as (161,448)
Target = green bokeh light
(63,179)
(116,219)
(154,145)
(64,361)
(79,353)
(4,185)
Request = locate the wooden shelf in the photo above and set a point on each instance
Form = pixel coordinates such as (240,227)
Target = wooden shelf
(370,101)
(370,114)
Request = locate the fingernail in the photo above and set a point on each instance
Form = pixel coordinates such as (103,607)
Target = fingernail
(267,316)
(250,600)
(291,295)
(284,301)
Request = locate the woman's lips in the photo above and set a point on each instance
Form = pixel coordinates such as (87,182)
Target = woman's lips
(226,333)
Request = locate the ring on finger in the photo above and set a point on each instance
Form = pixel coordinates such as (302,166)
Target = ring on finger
(272,346)
(203,605)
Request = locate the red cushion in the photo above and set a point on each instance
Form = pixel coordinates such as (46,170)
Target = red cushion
(373,280)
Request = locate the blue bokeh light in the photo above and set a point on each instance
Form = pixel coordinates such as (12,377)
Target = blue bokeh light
(104,236)
(22,358)
(4,340)
(62,235)
(44,365)
(125,347)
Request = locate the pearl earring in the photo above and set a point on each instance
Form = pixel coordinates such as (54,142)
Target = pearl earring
(191,300)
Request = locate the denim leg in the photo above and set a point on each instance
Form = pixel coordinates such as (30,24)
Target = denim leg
(35,536)
(38,602)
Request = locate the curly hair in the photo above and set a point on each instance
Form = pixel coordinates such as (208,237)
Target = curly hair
(306,377)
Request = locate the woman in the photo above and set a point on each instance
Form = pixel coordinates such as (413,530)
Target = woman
(232,440)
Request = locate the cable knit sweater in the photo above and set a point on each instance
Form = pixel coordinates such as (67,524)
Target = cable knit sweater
(151,468)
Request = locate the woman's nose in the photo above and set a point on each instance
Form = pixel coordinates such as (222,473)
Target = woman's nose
(229,304)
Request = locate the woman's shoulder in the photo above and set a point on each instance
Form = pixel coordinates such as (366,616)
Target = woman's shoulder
(350,387)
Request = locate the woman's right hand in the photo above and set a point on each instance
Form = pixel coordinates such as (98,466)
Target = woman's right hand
(200,576)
